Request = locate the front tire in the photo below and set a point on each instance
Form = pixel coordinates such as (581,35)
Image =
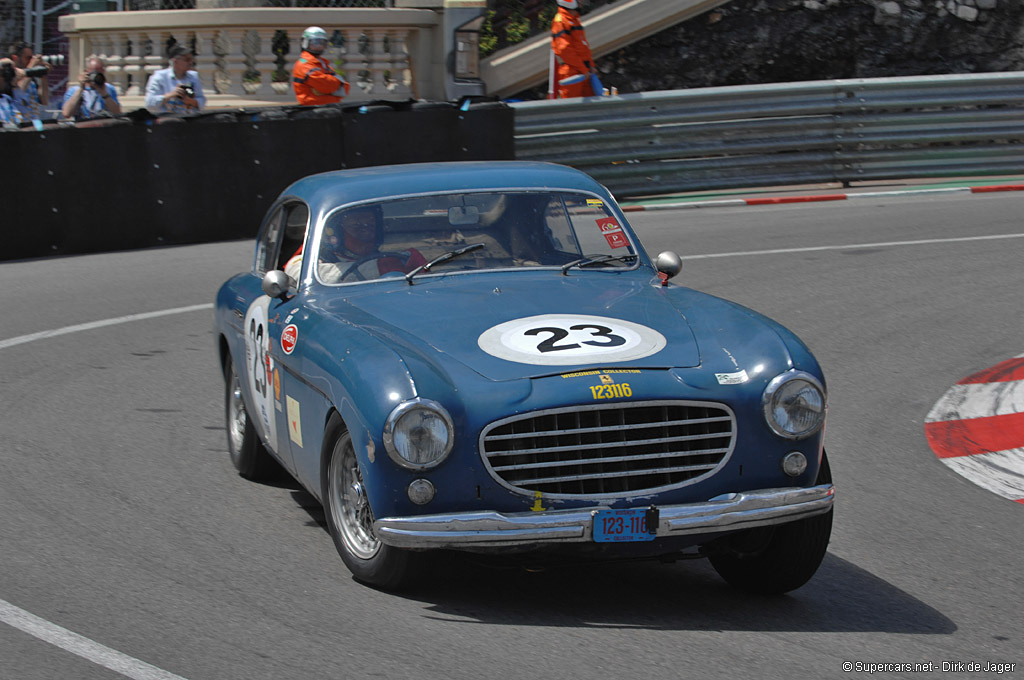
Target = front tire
(248,455)
(786,559)
(350,520)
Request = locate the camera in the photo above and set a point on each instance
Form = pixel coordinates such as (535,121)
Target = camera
(37,71)
(98,79)
(189,91)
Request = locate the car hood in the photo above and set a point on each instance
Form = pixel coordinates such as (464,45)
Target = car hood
(450,316)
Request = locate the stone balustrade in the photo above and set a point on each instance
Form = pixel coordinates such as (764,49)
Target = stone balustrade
(385,54)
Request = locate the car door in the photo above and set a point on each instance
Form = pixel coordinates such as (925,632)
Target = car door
(263,326)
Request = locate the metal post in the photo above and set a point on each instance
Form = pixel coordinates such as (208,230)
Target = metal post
(551,75)
(28,22)
(37,41)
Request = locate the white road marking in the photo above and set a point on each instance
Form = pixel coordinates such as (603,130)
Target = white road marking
(32,337)
(81,646)
(51,632)
(979,400)
(884,244)
(1001,472)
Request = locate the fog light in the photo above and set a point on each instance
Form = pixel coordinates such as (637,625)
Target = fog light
(793,464)
(421,491)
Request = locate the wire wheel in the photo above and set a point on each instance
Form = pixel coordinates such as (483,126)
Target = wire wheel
(237,417)
(349,505)
(248,455)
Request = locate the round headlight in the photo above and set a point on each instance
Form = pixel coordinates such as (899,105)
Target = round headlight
(419,434)
(794,405)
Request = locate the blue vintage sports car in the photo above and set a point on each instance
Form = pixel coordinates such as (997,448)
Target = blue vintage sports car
(482,357)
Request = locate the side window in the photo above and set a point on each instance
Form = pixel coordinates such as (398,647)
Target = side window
(596,229)
(282,234)
(558,227)
(296,221)
(269,243)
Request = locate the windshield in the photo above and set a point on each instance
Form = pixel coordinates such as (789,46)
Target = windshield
(514,229)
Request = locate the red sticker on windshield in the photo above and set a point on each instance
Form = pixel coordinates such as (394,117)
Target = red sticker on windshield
(616,239)
(289,336)
(612,232)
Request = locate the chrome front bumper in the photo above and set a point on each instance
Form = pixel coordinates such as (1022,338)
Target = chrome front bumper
(730,512)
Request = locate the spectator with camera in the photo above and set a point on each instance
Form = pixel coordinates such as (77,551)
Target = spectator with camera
(175,89)
(93,97)
(10,116)
(32,89)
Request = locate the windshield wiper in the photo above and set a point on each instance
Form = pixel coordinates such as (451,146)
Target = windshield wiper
(444,257)
(595,259)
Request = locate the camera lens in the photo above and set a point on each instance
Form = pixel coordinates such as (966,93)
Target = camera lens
(98,79)
(37,71)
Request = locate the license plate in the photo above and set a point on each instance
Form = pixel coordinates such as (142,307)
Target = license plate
(622,526)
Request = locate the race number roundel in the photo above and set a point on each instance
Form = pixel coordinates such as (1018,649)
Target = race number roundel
(568,339)
(259,366)
(289,336)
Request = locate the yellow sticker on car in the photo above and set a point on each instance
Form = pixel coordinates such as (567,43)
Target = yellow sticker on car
(294,420)
(613,391)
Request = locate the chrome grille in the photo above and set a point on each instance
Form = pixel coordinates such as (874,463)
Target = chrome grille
(613,449)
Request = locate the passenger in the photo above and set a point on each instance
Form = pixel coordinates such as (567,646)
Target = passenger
(175,89)
(93,96)
(313,79)
(355,255)
(570,45)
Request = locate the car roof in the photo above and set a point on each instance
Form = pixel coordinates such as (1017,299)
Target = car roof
(326,190)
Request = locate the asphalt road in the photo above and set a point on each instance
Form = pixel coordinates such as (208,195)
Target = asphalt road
(122,521)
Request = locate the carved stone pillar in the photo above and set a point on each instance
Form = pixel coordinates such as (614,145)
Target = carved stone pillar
(234,57)
(133,65)
(114,61)
(154,43)
(380,61)
(264,59)
(400,73)
(206,60)
(354,64)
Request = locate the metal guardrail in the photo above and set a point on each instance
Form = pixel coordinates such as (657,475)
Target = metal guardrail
(789,133)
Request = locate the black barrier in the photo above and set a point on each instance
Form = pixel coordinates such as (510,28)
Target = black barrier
(138,181)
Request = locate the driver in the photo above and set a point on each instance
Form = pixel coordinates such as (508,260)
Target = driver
(354,254)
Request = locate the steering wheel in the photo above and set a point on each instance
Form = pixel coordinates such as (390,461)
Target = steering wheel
(353,268)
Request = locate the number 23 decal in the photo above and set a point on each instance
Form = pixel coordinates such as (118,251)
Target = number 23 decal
(608,338)
(566,339)
(259,366)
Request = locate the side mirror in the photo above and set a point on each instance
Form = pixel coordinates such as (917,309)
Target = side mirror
(668,265)
(275,283)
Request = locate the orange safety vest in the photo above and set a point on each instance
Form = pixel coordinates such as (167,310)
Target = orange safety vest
(314,80)
(571,47)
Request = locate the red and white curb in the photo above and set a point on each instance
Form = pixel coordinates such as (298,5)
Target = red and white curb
(717,203)
(977,428)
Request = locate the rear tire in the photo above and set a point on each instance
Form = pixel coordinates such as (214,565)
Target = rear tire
(786,560)
(350,520)
(248,455)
